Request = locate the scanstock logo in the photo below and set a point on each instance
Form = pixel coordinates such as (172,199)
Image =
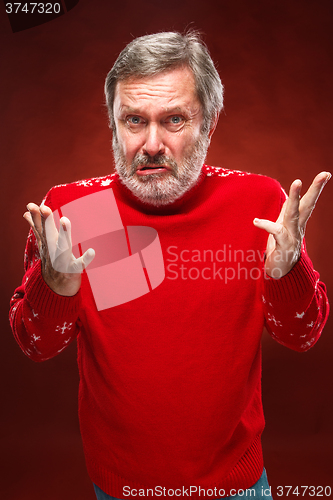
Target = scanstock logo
(128,260)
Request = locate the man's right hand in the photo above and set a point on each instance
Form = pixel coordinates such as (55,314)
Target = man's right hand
(61,270)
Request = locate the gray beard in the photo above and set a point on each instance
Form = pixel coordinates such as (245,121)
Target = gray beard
(164,188)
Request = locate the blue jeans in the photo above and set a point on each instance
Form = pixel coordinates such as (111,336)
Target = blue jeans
(261,488)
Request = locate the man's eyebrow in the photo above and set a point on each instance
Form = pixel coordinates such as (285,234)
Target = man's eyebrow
(175,109)
(138,111)
(129,109)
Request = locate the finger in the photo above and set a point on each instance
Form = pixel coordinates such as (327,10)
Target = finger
(78,265)
(35,217)
(309,200)
(88,257)
(61,252)
(64,238)
(28,218)
(67,227)
(50,231)
(273,228)
(45,211)
(291,213)
(277,231)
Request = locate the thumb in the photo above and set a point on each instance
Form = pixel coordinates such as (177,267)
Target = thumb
(88,257)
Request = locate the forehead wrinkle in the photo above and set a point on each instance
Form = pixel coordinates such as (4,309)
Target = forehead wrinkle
(166,95)
(170,95)
(145,88)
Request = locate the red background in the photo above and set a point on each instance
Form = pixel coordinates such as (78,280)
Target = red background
(275,60)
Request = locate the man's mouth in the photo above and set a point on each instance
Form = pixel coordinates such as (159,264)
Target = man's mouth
(152,169)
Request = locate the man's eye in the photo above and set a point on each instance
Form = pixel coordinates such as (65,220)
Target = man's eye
(176,120)
(134,120)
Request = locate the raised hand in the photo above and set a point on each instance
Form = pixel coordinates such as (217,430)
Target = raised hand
(287,233)
(61,270)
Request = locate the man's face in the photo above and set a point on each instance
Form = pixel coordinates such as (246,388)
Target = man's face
(158,144)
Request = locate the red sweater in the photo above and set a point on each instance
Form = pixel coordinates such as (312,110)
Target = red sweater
(170,382)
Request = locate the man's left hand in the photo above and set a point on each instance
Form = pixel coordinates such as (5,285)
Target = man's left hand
(286,234)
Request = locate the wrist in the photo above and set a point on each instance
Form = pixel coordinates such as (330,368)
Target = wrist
(66,285)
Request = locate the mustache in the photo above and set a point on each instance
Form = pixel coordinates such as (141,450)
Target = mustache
(158,160)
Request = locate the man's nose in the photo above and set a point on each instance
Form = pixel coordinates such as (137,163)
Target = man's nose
(153,142)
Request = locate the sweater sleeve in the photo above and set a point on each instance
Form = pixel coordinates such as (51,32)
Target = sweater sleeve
(43,322)
(296,306)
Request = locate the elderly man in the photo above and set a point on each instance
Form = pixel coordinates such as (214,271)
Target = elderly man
(170,284)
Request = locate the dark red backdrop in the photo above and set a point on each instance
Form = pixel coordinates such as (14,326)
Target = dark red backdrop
(275,59)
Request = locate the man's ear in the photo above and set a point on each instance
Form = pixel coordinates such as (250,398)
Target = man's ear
(213,126)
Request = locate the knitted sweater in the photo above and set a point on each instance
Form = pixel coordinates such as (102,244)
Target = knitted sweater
(170,379)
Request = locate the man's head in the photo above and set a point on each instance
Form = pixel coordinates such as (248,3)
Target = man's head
(164,97)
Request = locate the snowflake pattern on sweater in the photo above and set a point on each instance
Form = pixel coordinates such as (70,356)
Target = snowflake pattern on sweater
(189,351)
(312,318)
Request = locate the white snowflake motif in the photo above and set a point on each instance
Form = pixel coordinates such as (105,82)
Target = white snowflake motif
(66,341)
(34,314)
(103,181)
(270,317)
(310,325)
(13,311)
(35,337)
(308,344)
(64,327)
(34,348)
(84,183)
(223,172)
(299,315)
(106,182)
(263,299)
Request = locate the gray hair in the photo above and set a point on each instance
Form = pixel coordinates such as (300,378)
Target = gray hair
(152,54)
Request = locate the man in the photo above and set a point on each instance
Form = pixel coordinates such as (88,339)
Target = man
(170,397)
